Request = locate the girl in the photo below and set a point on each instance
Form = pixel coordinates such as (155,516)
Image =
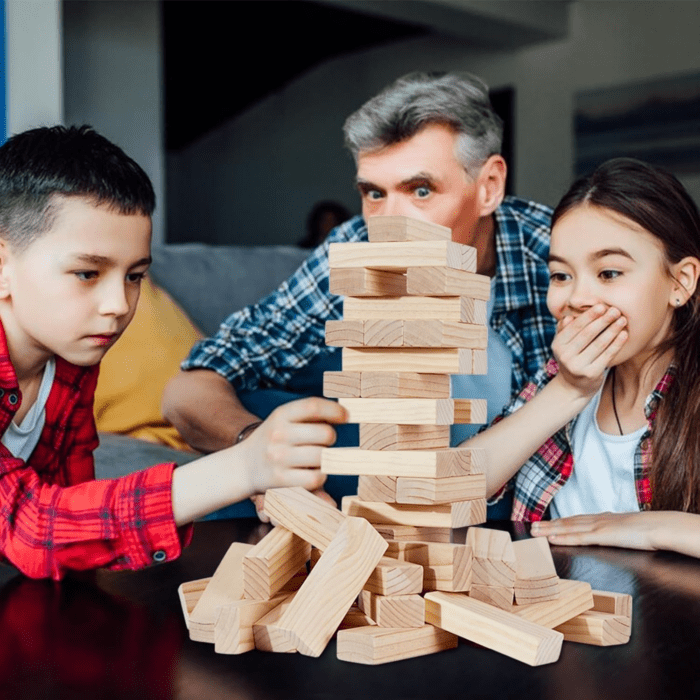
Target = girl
(606,440)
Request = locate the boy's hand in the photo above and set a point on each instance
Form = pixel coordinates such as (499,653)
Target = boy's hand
(285,450)
(586,345)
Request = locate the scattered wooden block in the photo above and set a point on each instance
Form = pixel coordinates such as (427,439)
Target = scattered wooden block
(450,515)
(402,255)
(536,577)
(393,611)
(272,562)
(446,566)
(409,533)
(426,360)
(424,491)
(355,618)
(444,281)
(363,282)
(613,603)
(415,411)
(391,577)
(462,309)
(379,645)
(498,596)
(341,384)
(574,598)
(402,228)
(410,385)
(494,558)
(395,436)
(319,606)
(455,461)
(306,515)
(189,594)
(537,591)
(495,629)
(433,333)
(268,637)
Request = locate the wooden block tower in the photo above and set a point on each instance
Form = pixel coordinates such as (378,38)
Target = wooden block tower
(414,313)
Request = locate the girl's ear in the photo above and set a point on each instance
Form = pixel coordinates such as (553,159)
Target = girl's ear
(491,184)
(686,273)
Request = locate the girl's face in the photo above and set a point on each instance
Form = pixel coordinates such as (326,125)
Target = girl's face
(599,256)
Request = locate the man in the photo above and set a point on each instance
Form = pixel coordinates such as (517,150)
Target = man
(428,147)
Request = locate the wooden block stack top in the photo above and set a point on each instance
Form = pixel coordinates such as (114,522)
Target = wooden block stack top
(415,312)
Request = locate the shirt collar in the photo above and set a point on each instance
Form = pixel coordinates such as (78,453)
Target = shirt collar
(8,378)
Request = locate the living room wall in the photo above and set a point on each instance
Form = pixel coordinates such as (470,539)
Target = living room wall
(254,179)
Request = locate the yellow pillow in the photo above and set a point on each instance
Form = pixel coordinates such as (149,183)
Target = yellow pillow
(133,374)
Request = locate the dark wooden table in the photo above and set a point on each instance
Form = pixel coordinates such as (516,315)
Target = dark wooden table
(122,635)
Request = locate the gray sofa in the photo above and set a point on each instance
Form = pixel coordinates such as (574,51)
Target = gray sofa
(209,282)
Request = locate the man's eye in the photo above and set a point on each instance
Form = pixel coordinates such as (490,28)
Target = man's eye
(422,192)
(85,275)
(373,194)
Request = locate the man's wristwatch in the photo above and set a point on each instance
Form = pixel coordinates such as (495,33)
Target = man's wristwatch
(247,431)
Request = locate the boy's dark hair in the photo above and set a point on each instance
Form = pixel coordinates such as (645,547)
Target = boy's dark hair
(39,166)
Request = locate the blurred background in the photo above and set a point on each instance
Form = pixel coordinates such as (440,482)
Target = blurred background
(235,107)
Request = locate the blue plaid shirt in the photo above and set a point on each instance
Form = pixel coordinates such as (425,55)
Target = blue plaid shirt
(264,344)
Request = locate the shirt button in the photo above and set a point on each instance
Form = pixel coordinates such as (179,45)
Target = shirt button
(12,398)
(159,556)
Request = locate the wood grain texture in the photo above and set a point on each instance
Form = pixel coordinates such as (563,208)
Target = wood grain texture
(341,384)
(444,281)
(574,598)
(363,282)
(395,436)
(459,309)
(393,611)
(392,577)
(424,491)
(421,360)
(494,558)
(403,228)
(412,385)
(415,411)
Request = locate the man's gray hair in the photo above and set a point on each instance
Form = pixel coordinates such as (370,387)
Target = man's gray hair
(398,112)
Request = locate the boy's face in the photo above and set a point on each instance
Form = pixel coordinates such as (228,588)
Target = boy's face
(74,290)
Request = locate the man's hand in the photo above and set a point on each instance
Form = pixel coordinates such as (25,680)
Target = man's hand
(585,346)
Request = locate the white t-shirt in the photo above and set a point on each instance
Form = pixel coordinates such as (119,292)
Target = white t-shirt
(22,439)
(603,476)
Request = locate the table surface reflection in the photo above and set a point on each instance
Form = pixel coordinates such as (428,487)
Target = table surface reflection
(122,635)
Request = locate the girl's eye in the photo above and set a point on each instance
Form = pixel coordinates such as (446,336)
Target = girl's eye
(610,274)
(558,277)
(86,275)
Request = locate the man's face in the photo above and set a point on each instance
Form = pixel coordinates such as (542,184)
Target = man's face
(421,178)
(74,290)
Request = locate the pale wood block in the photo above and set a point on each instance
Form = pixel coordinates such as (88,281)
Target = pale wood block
(574,598)
(202,632)
(456,461)
(267,635)
(233,628)
(415,411)
(494,558)
(598,628)
(462,309)
(320,605)
(495,629)
(272,562)
(306,515)
(393,611)
(408,533)
(376,488)
(450,515)
(410,385)
(536,590)
(533,559)
(383,333)
(498,596)
(395,436)
(355,618)
(426,360)
(189,594)
(363,282)
(403,228)
(433,333)
(392,577)
(613,603)
(402,255)
(341,384)
(445,578)
(444,281)
(345,333)
(423,491)
(225,586)
(480,364)
(379,645)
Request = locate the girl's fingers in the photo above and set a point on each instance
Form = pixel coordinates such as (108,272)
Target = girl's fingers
(578,337)
(598,350)
(309,434)
(312,410)
(310,479)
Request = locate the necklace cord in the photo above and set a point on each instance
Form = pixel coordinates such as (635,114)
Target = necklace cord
(617,418)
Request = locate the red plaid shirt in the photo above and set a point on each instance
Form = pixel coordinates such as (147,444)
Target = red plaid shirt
(54,516)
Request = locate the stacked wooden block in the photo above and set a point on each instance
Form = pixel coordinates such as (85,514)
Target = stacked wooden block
(384,573)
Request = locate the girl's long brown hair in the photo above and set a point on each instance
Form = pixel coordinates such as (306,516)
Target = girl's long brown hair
(655,200)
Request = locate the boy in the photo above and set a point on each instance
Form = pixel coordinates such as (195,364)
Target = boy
(75,228)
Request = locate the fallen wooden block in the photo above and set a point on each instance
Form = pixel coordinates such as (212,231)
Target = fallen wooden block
(462,309)
(536,577)
(391,577)
(613,603)
(395,436)
(422,463)
(498,596)
(537,591)
(439,490)
(341,384)
(495,629)
(355,618)
(450,515)
(267,635)
(364,282)
(424,360)
(189,594)
(393,611)
(494,558)
(410,533)
(399,256)
(608,623)
(403,228)
(319,606)
(444,281)
(272,562)
(574,598)
(386,385)
(415,411)
(380,645)
(306,515)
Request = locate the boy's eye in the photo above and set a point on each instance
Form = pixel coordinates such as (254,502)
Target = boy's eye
(86,275)
(610,274)
(136,276)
